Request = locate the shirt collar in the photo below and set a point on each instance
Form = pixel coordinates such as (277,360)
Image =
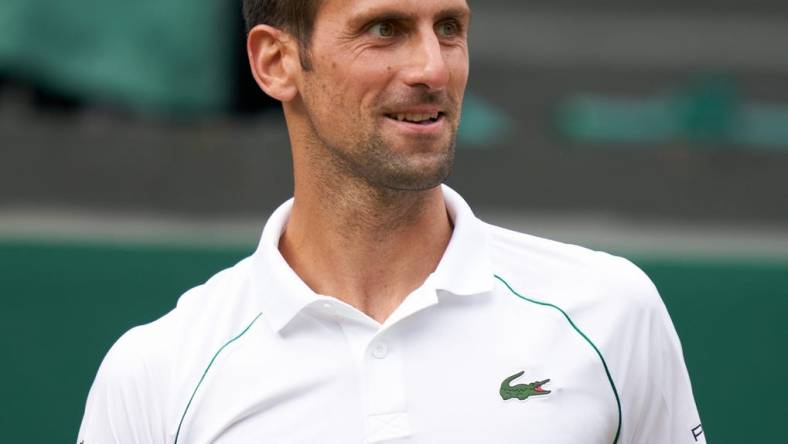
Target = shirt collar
(464,269)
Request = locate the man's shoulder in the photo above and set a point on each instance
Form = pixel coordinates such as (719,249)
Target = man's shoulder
(516,248)
(147,375)
(570,273)
(607,297)
(203,318)
(220,300)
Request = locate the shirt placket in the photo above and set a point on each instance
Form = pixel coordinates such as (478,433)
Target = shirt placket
(383,368)
(379,358)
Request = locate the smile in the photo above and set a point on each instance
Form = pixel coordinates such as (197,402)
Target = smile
(417,118)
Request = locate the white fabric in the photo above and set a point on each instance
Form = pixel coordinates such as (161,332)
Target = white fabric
(286,365)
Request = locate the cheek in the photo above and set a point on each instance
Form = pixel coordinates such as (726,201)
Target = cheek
(364,88)
(458,64)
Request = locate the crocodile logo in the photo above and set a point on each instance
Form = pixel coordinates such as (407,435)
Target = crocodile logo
(522,391)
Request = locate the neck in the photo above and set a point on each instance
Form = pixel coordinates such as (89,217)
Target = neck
(366,246)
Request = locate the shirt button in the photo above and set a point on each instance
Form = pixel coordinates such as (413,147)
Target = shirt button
(380,350)
(328,307)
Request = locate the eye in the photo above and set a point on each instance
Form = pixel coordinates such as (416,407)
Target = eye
(449,28)
(384,30)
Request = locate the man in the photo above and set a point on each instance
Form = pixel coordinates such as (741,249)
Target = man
(377,308)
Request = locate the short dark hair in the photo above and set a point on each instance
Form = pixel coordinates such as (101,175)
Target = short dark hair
(296,17)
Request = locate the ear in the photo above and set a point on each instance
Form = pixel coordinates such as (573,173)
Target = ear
(273,58)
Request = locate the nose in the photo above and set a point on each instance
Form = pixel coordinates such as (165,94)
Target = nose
(427,67)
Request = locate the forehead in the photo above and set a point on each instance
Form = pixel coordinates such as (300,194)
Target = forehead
(342,12)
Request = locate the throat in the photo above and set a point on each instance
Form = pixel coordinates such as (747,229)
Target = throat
(371,261)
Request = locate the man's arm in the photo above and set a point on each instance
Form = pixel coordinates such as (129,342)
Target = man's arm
(671,416)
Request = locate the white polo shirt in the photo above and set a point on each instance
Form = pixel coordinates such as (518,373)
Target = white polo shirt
(513,339)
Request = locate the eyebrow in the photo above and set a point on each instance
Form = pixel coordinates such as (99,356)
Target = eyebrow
(386,14)
(459,13)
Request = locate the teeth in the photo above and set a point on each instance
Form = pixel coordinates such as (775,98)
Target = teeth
(415,117)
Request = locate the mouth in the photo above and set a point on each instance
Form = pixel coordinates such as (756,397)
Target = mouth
(417,118)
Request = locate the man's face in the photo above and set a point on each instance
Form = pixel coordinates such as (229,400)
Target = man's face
(385,87)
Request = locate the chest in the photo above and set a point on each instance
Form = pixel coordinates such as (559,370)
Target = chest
(485,376)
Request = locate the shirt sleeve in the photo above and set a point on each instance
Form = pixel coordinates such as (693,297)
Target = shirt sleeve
(123,407)
(668,413)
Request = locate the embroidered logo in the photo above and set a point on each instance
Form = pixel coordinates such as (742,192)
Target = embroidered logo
(522,391)
(697,431)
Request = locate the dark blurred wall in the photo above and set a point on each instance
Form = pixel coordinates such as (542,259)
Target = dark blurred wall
(179,59)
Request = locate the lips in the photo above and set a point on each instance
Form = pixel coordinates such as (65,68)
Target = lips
(416,117)
(419,118)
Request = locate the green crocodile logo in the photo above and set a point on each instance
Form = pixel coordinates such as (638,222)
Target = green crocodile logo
(522,391)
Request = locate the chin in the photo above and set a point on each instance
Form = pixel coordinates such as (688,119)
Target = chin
(418,176)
